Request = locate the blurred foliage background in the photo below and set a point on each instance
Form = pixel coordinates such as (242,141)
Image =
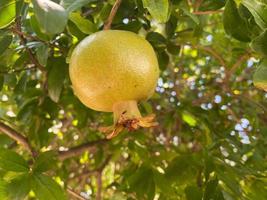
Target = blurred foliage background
(212,134)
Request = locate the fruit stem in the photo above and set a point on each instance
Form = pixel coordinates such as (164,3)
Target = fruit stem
(126,110)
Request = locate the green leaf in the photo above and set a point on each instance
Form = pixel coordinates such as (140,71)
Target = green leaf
(7,12)
(189,119)
(45,161)
(85,25)
(56,77)
(72,5)
(37,29)
(27,108)
(3,190)
(46,188)
(42,54)
(159,9)
(19,187)
(1,82)
(142,182)
(181,169)
(192,16)
(259,44)
(51,16)
(193,193)
(234,24)
(259,11)
(157,40)
(5,42)
(211,5)
(260,75)
(11,161)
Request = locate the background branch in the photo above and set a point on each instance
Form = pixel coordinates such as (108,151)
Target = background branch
(75,194)
(75,151)
(17,137)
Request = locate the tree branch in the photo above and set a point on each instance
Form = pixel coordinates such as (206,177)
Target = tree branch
(17,137)
(213,53)
(75,151)
(99,186)
(236,65)
(112,14)
(18,70)
(24,42)
(74,194)
(207,12)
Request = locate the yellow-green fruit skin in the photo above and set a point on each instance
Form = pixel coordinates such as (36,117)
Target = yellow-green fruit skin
(111,66)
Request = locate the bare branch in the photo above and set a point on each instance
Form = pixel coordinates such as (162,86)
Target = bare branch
(207,12)
(17,137)
(18,70)
(112,14)
(75,151)
(99,186)
(75,194)
(213,53)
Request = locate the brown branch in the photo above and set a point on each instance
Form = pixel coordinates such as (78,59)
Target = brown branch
(24,42)
(34,38)
(213,53)
(74,194)
(197,4)
(112,14)
(19,138)
(18,70)
(99,186)
(75,151)
(239,62)
(207,12)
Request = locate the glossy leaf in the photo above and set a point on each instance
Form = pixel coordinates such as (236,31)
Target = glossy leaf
(45,188)
(5,42)
(45,161)
(51,17)
(259,10)
(84,25)
(11,161)
(142,182)
(56,77)
(159,9)
(19,187)
(234,25)
(7,12)
(259,44)
(42,54)
(72,5)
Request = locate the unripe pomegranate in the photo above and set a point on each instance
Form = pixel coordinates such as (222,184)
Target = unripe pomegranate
(111,71)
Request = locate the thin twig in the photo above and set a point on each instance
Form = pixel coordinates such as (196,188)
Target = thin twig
(197,4)
(17,137)
(94,171)
(34,38)
(207,12)
(213,53)
(75,194)
(99,186)
(75,151)
(24,42)
(18,70)
(112,14)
